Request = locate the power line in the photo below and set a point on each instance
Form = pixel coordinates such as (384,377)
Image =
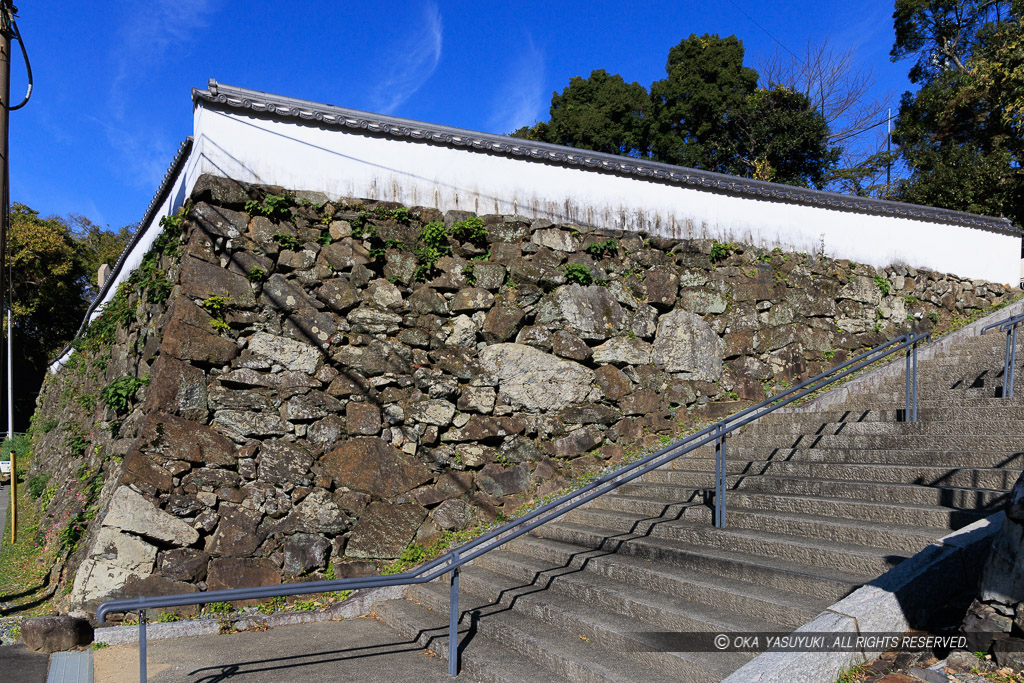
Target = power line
(766,31)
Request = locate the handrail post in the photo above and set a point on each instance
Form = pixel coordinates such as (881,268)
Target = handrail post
(906,390)
(914,353)
(720,472)
(453,620)
(1006,363)
(1013,359)
(142,646)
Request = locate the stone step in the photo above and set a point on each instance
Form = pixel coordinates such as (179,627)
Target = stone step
(801,496)
(962,477)
(856,531)
(846,557)
(822,583)
(922,427)
(868,415)
(530,556)
(753,460)
(576,640)
(487,661)
(985,442)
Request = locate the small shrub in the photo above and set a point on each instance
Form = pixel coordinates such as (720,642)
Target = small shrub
(36,485)
(578,273)
(121,392)
(469,230)
(883,285)
(289,242)
(720,251)
(273,206)
(219,326)
(324,239)
(257,274)
(934,317)
(218,608)
(599,249)
(216,305)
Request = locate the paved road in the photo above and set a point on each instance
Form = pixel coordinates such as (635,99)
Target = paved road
(18,664)
(361,650)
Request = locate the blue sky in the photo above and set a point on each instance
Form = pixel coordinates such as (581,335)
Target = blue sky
(113,80)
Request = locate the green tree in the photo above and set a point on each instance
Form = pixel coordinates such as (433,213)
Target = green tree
(692,107)
(960,132)
(601,113)
(97,246)
(780,137)
(47,299)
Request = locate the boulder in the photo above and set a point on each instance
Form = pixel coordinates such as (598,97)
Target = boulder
(433,412)
(292,354)
(533,380)
(338,294)
(501,323)
(373,466)
(613,382)
(174,438)
(285,295)
(472,299)
(305,552)
(200,280)
(685,344)
(568,345)
(131,513)
(623,351)
(113,557)
(384,530)
(591,312)
(362,418)
(452,514)
(241,425)
(183,564)
(242,572)
(281,462)
(577,442)
(237,534)
(189,335)
(55,633)
(177,388)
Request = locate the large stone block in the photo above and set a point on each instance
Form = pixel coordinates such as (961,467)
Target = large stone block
(113,557)
(384,530)
(687,345)
(131,513)
(373,466)
(292,354)
(200,279)
(590,312)
(533,380)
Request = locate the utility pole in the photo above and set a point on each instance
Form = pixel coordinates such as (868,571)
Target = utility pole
(888,151)
(7,12)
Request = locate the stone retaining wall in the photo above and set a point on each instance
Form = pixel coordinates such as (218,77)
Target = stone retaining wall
(346,398)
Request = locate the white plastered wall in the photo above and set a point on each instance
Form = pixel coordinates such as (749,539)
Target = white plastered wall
(343,163)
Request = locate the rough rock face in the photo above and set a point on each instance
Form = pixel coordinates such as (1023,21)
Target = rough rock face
(995,619)
(341,397)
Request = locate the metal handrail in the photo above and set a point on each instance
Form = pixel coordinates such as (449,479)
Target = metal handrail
(1009,325)
(452,561)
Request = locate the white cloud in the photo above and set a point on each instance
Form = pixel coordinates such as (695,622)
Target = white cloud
(148,33)
(521,101)
(409,69)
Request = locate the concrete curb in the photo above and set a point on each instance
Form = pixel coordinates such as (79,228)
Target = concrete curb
(873,380)
(360,604)
(892,603)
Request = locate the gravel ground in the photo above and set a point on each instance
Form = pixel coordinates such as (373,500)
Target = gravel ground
(7,627)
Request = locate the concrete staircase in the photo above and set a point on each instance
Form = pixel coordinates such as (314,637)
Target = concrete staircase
(819,503)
